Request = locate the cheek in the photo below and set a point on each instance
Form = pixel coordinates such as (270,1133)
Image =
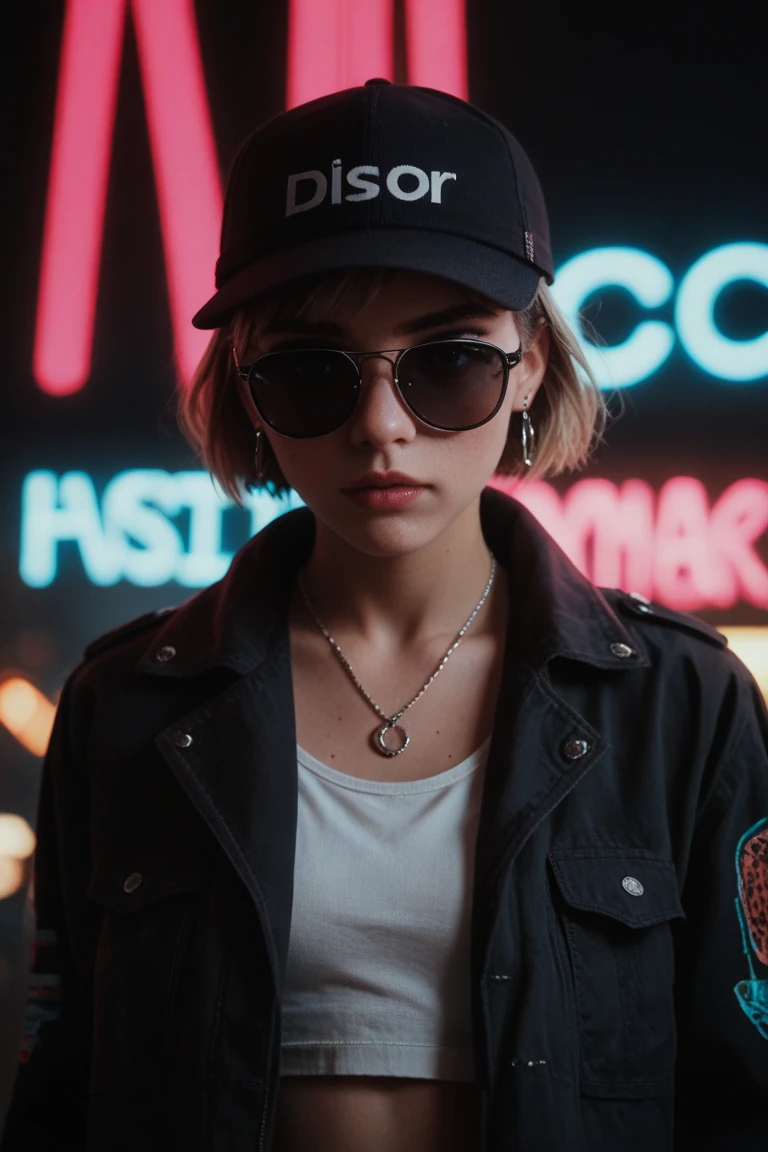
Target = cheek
(492,437)
(308,464)
(479,450)
(301,458)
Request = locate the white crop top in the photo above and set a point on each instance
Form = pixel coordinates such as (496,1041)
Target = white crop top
(378,978)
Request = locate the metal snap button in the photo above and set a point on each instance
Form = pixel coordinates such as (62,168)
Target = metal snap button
(575,749)
(165,654)
(182,739)
(633,886)
(639,597)
(132,882)
(620,649)
(644,607)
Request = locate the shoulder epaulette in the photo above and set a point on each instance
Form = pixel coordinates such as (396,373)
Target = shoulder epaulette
(639,606)
(126,631)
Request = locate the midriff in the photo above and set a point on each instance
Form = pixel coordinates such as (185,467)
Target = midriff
(376,1114)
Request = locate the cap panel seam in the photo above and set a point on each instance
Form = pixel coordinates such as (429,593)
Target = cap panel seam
(373,206)
(493,123)
(508,151)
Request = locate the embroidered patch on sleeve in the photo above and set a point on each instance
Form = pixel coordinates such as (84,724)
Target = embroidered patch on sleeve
(43,1001)
(43,996)
(752,910)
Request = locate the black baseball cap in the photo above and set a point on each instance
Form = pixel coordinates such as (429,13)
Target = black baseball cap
(382,175)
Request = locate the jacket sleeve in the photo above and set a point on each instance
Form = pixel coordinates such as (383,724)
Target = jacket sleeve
(47,1107)
(721,989)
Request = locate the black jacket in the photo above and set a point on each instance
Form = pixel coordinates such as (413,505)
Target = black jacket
(619,931)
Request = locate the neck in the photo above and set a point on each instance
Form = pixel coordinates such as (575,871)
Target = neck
(408,600)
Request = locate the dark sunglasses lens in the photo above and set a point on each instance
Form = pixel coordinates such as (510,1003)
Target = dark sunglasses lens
(452,384)
(304,393)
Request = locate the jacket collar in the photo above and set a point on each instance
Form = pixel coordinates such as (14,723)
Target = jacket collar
(554,609)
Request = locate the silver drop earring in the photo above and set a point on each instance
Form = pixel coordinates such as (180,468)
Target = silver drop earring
(261,471)
(528,436)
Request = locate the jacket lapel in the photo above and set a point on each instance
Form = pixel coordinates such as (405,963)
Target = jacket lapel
(235,757)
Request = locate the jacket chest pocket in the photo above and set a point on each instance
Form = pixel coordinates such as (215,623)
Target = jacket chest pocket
(146,922)
(615,908)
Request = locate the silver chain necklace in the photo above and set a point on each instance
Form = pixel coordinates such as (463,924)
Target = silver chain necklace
(378,734)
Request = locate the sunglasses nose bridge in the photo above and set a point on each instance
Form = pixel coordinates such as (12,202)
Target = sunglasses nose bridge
(387,354)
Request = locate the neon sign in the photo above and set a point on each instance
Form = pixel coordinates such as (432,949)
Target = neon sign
(671,545)
(186,174)
(332,44)
(651,284)
(134,533)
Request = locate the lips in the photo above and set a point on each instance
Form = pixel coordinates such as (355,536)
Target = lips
(385,497)
(386,480)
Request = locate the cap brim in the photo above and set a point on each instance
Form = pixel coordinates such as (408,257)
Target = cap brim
(499,275)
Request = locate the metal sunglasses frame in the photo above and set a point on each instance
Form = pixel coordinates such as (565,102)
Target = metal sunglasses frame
(508,360)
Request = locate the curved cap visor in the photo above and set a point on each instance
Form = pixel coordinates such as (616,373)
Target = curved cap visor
(497,274)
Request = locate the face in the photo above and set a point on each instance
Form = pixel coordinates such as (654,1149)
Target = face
(382,434)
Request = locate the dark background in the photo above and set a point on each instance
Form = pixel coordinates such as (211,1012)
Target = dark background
(646,132)
(646,125)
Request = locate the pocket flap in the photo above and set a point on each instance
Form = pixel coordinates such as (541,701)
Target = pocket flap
(126,889)
(631,887)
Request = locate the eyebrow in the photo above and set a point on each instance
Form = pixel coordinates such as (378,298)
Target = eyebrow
(409,328)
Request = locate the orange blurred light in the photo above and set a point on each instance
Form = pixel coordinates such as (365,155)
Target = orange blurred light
(26,713)
(12,873)
(750,644)
(17,843)
(16,837)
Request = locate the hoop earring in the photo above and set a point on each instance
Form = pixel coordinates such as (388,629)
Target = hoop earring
(261,471)
(528,436)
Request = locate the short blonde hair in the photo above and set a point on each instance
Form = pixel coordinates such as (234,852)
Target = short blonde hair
(568,412)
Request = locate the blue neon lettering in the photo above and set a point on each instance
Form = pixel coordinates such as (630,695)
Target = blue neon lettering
(650,282)
(741,360)
(132,536)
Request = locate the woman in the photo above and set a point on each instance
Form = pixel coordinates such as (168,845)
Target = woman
(404,837)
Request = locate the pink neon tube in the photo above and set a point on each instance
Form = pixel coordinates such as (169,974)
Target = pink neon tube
(189,191)
(335,44)
(74,213)
(436,45)
(186,176)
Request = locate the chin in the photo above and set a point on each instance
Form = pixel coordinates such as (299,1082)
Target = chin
(385,540)
(376,533)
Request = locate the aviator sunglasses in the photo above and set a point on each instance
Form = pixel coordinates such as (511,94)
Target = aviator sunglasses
(453,385)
